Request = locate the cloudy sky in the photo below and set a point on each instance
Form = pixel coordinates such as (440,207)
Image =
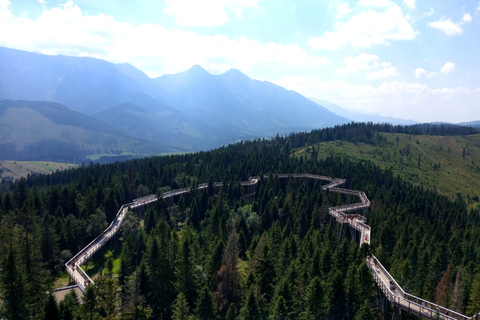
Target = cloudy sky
(405,58)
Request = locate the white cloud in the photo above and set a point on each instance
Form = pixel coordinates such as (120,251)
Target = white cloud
(342,9)
(393,98)
(375,3)
(367,62)
(151,48)
(365,29)
(207,13)
(383,73)
(361,62)
(5,14)
(420,72)
(409,3)
(429,13)
(449,27)
(447,68)
(467,17)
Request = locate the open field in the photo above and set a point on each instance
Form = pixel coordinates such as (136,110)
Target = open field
(12,170)
(448,164)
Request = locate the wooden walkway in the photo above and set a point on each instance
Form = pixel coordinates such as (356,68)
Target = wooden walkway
(342,214)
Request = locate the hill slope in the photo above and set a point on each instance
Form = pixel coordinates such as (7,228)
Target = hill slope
(32,130)
(435,162)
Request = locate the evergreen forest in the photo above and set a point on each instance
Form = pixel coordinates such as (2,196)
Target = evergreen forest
(271,252)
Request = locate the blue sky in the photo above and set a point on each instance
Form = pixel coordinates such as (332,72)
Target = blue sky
(409,59)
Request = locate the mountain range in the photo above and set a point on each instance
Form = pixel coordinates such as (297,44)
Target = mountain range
(59,102)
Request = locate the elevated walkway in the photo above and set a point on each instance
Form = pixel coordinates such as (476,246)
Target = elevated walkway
(342,214)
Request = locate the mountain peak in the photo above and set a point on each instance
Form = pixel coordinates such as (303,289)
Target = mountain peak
(235,75)
(235,71)
(197,70)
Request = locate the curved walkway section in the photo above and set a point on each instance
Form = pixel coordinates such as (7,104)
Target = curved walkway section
(342,214)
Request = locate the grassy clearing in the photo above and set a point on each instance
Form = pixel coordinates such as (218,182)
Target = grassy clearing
(61,281)
(17,169)
(95,265)
(450,165)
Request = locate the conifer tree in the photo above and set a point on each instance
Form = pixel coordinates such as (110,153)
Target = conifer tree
(473,305)
(205,307)
(51,309)
(316,300)
(184,266)
(12,288)
(250,309)
(181,311)
(89,307)
(366,312)
(68,306)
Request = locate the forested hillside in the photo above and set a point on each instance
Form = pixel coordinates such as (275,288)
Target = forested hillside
(446,160)
(222,254)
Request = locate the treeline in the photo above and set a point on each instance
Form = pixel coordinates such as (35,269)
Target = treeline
(368,132)
(228,255)
(214,163)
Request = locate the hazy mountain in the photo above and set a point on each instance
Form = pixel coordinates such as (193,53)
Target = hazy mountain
(360,117)
(188,111)
(85,85)
(475,124)
(97,88)
(175,132)
(36,130)
(241,104)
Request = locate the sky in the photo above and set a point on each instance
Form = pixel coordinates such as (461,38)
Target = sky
(408,59)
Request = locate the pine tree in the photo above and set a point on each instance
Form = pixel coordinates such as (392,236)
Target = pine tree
(51,309)
(458,292)
(473,305)
(89,307)
(366,312)
(316,300)
(12,288)
(266,273)
(68,306)
(184,266)
(49,244)
(442,292)
(181,311)
(227,277)
(282,305)
(251,309)
(107,298)
(204,307)
(110,206)
(160,275)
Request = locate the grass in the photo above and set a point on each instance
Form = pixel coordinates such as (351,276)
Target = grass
(61,281)
(95,265)
(435,162)
(17,169)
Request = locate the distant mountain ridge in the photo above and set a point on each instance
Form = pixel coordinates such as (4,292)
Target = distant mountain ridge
(360,117)
(33,130)
(189,111)
(236,101)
